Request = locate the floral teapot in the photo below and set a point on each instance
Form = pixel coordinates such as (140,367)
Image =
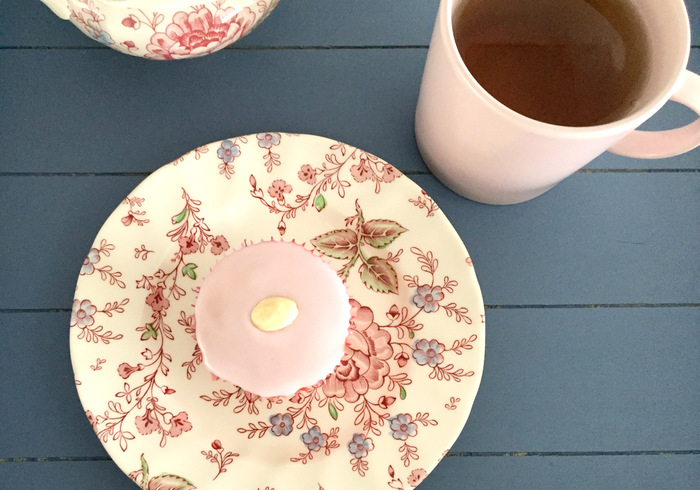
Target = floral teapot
(164,29)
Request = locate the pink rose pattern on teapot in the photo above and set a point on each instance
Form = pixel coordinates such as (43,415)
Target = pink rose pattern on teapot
(187,32)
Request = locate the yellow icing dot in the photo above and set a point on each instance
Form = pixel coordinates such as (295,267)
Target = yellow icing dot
(274,313)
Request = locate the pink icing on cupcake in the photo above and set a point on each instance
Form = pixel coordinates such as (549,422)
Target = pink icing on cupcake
(283,361)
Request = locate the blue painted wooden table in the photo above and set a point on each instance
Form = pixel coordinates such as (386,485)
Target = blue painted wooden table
(592,374)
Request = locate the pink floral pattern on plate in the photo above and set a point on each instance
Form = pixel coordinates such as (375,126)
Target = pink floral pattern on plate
(400,394)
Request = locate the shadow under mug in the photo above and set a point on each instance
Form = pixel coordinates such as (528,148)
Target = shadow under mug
(489,153)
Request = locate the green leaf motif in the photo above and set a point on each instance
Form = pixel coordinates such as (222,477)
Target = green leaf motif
(169,482)
(379,233)
(402,392)
(178,218)
(411,333)
(320,203)
(188,270)
(339,244)
(379,275)
(150,332)
(360,217)
(333,411)
(144,467)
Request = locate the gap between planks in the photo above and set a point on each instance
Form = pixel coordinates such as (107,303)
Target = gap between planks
(451,454)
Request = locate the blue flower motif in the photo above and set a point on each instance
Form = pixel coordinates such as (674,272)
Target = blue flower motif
(401,426)
(427,297)
(268,140)
(314,439)
(428,352)
(282,424)
(360,445)
(228,151)
(105,38)
(98,34)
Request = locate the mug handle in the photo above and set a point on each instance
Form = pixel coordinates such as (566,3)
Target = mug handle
(672,142)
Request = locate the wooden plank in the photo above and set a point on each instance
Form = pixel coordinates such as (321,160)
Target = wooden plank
(555,380)
(104,112)
(51,224)
(655,472)
(693,7)
(44,414)
(357,23)
(293,23)
(594,238)
(620,238)
(588,379)
(592,397)
(652,472)
(76,475)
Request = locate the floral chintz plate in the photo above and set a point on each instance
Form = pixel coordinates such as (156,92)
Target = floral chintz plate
(399,397)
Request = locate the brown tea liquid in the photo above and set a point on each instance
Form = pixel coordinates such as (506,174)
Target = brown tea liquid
(564,62)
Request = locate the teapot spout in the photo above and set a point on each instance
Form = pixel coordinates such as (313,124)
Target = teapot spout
(59,7)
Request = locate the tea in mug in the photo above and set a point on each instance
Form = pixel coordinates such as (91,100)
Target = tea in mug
(564,62)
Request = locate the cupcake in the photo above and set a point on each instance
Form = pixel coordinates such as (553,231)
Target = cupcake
(272,318)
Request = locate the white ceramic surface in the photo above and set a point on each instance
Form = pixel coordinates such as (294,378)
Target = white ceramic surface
(489,153)
(405,386)
(164,29)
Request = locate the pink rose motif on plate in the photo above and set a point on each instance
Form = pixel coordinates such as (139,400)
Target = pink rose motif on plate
(179,424)
(188,244)
(157,301)
(428,352)
(364,365)
(416,477)
(361,171)
(390,173)
(360,446)
(125,369)
(307,174)
(401,359)
(249,397)
(427,297)
(91,418)
(147,423)
(89,262)
(282,424)
(278,189)
(219,244)
(200,32)
(401,426)
(82,314)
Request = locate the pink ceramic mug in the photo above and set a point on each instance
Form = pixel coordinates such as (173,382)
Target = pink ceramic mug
(489,153)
